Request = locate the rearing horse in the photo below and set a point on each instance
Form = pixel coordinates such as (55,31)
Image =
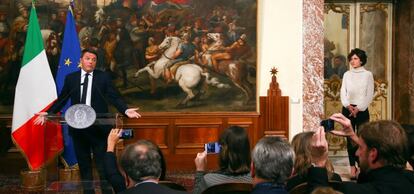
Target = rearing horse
(187,76)
(170,44)
(234,69)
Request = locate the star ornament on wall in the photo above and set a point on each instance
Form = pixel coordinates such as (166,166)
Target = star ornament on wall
(274,71)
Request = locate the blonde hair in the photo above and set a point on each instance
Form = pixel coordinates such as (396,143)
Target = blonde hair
(325,190)
(301,144)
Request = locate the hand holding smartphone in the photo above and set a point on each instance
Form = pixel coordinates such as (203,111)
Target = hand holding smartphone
(212,148)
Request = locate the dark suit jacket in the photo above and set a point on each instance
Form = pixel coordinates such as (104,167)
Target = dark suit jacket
(378,181)
(103,92)
(112,173)
(296,180)
(151,188)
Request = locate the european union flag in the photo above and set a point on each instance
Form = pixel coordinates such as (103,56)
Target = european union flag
(68,63)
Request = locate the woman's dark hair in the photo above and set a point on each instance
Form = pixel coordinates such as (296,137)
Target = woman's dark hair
(234,155)
(360,54)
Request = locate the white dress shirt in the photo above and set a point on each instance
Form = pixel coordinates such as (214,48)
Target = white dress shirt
(89,91)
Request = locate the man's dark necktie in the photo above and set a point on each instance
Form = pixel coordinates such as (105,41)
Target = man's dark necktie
(85,88)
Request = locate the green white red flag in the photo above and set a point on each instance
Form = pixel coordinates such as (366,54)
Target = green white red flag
(35,92)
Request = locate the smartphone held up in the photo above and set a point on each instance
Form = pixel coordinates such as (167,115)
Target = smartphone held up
(328,125)
(212,148)
(127,134)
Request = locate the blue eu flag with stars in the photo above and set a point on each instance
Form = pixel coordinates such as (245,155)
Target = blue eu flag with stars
(68,63)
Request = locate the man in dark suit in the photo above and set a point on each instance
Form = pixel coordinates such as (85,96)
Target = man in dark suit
(142,166)
(94,88)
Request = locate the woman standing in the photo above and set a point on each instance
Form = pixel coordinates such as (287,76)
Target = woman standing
(356,94)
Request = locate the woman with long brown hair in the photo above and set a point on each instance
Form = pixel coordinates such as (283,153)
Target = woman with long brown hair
(234,161)
(301,144)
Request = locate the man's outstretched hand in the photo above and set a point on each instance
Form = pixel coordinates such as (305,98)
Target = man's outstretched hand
(41,118)
(132,113)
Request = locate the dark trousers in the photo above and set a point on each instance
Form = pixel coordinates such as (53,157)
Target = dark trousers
(362,117)
(87,141)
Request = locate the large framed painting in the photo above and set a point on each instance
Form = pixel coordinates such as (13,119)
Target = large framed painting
(163,55)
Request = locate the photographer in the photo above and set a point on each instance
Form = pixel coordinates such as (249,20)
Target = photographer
(234,161)
(113,175)
(382,150)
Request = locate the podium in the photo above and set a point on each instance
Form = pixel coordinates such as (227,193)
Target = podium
(52,178)
(81,116)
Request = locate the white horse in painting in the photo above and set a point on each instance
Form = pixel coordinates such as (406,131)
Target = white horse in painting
(187,76)
(214,47)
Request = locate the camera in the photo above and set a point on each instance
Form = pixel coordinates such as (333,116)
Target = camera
(212,147)
(127,134)
(328,125)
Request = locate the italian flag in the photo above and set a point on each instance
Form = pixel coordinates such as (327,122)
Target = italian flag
(35,92)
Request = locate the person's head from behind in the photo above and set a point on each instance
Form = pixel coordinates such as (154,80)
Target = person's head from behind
(301,144)
(325,190)
(141,162)
(272,160)
(382,143)
(357,58)
(88,60)
(234,155)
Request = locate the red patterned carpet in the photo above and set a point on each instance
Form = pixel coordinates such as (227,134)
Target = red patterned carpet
(11,184)
(185,179)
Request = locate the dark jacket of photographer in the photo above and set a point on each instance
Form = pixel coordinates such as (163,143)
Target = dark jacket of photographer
(382,180)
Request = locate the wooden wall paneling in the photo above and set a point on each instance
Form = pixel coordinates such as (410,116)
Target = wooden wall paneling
(190,136)
(262,119)
(191,139)
(152,129)
(249,124)
(186,134)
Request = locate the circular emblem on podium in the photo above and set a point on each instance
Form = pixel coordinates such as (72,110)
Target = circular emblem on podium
(80,116)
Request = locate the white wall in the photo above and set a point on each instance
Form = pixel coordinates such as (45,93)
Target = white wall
(280,45)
